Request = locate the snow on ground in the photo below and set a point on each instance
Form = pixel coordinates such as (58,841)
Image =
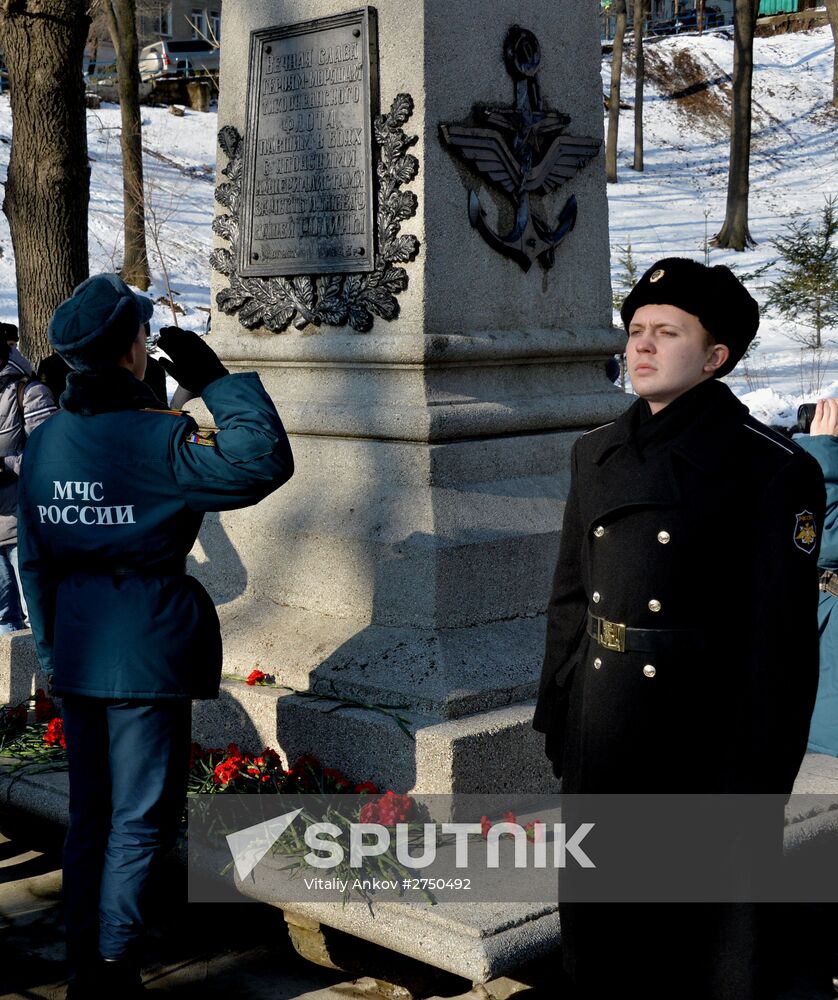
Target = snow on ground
(179,166)
(669,209)
(679,200)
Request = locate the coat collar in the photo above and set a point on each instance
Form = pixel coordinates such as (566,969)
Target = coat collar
(106,391)
(696,426)
(697,431)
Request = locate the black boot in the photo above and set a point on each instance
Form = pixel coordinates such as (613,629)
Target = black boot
(81,988)
(103,980)
(121,979)
(85,979)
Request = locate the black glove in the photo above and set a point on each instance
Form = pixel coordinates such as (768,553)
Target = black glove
(194,364)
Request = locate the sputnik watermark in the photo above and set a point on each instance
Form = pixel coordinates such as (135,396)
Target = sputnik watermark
(328,843)
(250,845)
(431,848)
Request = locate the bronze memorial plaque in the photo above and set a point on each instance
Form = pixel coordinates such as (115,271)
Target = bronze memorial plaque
(307,189)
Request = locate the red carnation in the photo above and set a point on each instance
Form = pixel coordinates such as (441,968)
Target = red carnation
(393,808)
(227,771)
(366,787)
(308,762)
(256,677)
(369,813)
(337,779)
(54,736)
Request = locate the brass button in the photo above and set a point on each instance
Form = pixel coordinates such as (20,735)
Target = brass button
(596,597)
(663,537)
(654,605)
(597,663)
(599,531)
(649,670)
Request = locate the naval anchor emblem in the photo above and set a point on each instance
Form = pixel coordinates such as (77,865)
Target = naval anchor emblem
(522,150)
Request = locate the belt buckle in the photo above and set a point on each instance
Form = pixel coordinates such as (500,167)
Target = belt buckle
(611,635)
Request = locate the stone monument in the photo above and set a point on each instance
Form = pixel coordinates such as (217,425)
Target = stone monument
(431,371)
(412,251)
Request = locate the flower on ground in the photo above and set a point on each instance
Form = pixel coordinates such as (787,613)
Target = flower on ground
(268,758)
(54,735)
(335,780)
(388,810)
(533,834)
(228,770)
(259,677)
(236,770)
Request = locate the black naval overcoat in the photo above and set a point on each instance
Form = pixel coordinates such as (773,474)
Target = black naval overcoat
(703,525)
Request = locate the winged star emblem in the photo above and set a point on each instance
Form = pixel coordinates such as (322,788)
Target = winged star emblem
(524,151)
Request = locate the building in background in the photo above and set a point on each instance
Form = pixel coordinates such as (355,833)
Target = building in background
(178,19)
(175,20)
(665,10)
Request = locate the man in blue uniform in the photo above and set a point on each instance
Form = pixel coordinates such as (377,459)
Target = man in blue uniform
(113,491)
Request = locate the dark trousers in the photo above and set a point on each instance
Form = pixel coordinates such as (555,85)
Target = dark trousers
(128,763)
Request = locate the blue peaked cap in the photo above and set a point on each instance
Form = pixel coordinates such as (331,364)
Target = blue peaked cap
(98,323)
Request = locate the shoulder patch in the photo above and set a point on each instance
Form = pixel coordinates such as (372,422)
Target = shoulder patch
(203,435)
(805,531)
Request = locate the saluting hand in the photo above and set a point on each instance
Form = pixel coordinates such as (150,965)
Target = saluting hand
(825,420)
(194,364)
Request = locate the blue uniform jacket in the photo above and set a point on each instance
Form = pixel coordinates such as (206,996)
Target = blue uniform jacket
(823,735)
(111,499)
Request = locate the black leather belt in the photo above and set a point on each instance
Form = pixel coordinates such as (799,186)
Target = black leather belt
(165,567)
(622,639)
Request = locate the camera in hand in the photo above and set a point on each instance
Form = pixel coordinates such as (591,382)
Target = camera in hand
(805,416)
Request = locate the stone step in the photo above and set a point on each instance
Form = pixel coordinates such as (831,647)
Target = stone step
(443,756)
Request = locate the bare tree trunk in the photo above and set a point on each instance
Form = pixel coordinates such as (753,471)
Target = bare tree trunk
(699,15)
(735,234)
(639,76)
(121,17)
(832,11)
(48,185)
(614,95)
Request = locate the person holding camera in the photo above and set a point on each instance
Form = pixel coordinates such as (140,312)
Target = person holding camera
(821,443)
(113,492)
